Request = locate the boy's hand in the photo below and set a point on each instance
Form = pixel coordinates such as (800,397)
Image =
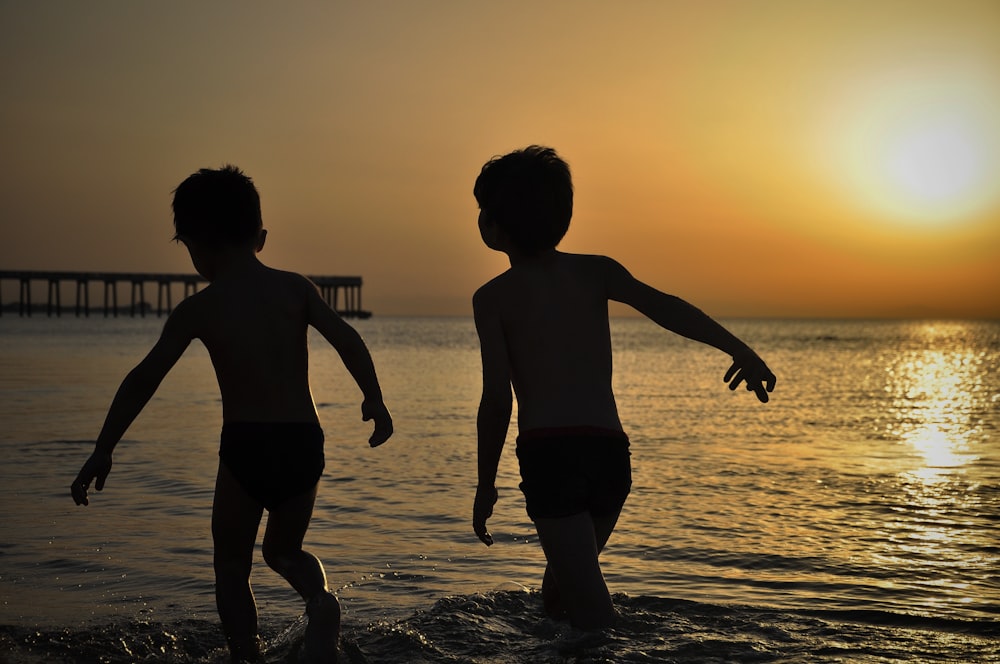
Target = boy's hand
(750,368)
(383,422)
(486,498)
(96,467)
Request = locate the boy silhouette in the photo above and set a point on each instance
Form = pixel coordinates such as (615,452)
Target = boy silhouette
(254,322)
(543,329)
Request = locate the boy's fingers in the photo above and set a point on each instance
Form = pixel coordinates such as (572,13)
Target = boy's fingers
(481,532)
(482,510)
(737,379)
(381,434)
(79,493)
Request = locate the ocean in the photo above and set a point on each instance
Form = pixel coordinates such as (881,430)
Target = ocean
(854,518)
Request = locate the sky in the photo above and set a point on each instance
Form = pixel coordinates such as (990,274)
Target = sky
(762,159)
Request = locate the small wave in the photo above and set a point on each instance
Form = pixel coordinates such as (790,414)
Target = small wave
(509,627)
(117,643)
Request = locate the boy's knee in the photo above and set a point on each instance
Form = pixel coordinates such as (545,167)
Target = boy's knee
(279,559)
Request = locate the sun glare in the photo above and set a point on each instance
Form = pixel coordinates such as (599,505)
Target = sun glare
(918,151)
(937,163)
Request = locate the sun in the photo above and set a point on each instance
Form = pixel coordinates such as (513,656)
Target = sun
(918,152)
(936,164)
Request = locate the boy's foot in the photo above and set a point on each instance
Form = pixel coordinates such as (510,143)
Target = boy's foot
(249,653)
(323,631)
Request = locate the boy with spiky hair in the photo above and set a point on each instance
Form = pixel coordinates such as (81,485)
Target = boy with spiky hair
(254,322)
(543,329)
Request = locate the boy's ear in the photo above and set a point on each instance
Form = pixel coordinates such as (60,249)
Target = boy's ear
(261,238)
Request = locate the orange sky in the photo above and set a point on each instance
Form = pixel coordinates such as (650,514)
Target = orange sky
(757,158)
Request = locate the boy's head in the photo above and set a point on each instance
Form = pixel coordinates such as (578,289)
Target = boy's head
(529,194)
(218,208)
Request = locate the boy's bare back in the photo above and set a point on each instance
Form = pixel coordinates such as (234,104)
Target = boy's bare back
(254,324)
(553,317)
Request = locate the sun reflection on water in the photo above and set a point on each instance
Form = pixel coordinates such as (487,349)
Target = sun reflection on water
(941,399)
(938,396)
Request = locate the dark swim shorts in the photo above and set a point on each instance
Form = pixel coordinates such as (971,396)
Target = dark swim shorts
(273,461)
(568,471)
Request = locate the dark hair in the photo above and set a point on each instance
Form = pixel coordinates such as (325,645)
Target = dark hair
(528,193)
(220,207)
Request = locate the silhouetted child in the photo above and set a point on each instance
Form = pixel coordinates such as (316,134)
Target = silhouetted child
(543,328)
(254,322)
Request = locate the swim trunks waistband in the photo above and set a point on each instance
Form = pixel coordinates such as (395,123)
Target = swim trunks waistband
(561,432)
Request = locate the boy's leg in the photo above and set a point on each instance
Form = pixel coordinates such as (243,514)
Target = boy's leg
(235,520)
(571,549)
(282,547)
(286,528)
(552,599)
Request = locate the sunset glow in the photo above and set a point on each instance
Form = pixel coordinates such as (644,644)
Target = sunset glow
(920,150)
(773,158)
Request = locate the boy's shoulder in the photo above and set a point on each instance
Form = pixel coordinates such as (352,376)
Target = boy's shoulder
(268,276)
(270,280)
(594,269)
(291,287)
(489,295)
(293,279)
(588,263)
(494,284)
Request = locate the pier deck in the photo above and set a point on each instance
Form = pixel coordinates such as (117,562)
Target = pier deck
(341,293)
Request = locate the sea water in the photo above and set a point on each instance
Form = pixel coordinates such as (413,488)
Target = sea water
(854,518)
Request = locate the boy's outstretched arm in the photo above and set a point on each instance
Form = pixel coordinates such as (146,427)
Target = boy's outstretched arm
(358,361)
(135,391)
(495,409)
(681,317)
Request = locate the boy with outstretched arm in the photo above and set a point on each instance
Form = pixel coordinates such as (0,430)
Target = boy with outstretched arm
(543,329)
(254,322)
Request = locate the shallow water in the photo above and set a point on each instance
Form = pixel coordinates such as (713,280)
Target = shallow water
(853,518)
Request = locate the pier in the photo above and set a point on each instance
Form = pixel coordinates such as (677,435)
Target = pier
(343,294)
